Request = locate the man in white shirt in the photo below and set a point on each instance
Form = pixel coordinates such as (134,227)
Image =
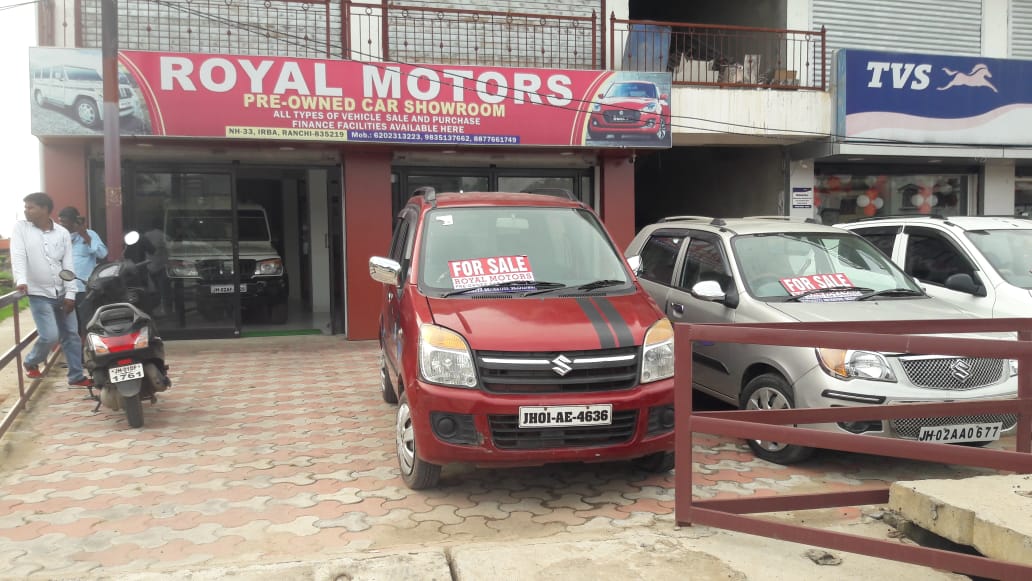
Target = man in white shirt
(40,249)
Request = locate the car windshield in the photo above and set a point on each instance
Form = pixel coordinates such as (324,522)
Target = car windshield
(634,90)
(188,225)
(1009,251)
(470,248)
(800,266)
(83,74)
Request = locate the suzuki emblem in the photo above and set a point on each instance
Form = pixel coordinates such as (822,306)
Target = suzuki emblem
(562,365)
(961,370)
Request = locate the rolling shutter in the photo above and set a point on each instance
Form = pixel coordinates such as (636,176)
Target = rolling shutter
(1021,29)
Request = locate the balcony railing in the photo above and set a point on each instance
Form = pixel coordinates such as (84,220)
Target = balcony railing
(702,54)
(380,30)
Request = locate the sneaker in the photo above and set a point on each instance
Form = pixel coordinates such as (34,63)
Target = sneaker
(32,372)
(84,382)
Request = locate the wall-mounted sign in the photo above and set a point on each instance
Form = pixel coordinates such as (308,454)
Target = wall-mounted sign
(278,98)
(934,98)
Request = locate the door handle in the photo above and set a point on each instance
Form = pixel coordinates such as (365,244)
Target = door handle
(677,308)
(390,295)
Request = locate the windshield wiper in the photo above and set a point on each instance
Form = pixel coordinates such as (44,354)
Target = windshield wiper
(897,292)
(584,287)
(830,289)
(542,286)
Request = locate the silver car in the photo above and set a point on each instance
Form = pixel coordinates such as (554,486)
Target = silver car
(768,270)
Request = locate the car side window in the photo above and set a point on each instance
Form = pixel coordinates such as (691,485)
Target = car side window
(884,237)
(659,254)
(401,251)
(932,258)
(704,261)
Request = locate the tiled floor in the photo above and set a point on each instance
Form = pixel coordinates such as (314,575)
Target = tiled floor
(281,449)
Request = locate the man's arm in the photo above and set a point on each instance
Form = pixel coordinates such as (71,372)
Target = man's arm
(19,266)
(97,246)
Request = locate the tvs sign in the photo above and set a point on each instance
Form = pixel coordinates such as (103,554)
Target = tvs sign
(934,98)
(260,98)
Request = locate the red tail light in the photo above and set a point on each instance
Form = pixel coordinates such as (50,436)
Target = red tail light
(123,362)
(120,342)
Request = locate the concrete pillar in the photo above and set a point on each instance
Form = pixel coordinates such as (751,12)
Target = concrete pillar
(63,169)
(367,232)
(800,191)
(998,187)
(995,28)
(617,207)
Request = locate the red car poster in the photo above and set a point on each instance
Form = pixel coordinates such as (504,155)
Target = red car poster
(282,98)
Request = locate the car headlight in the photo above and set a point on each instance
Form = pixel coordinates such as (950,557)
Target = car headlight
(651,107)
(182,268)
(445,358)
(270,267)
(596,107)
(657,354)
(850,364)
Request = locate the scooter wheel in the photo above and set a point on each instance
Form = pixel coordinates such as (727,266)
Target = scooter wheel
(133,410)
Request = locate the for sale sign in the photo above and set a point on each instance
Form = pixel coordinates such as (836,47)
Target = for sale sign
(476,272)
(832,287)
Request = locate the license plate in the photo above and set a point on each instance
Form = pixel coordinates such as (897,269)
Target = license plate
(125,372)
(565,415)
(989,432)
(221,289)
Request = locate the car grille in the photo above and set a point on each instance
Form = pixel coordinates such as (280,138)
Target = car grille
(508,436)
(222,270)
(622,116)
(124,93)
(536,372)
(952,373)
(910,427)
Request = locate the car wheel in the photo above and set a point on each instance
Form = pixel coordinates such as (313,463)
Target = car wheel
(416,473)
(386,387)
(657,463)
(40,99)
(662,133)
(770,391)
(87,113)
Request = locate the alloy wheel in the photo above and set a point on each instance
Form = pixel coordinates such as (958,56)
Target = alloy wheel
(767,398)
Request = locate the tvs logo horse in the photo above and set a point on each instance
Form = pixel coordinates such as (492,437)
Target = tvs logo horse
(978,77)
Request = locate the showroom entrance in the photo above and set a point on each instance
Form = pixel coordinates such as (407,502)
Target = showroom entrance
(406,179)
(233,250)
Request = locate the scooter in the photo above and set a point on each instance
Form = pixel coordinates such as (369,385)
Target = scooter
(122,352)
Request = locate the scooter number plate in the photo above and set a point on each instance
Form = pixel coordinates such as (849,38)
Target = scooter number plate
(125,372)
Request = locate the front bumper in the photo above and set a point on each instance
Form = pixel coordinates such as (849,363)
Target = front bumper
(646,124)
(492,436)
(817,389)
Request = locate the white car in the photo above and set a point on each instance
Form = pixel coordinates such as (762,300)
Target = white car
(81,89)
(982,264)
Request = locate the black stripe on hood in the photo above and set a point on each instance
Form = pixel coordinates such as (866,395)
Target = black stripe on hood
(605,336)
(624,338)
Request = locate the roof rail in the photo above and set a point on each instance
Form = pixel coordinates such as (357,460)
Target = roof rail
(680,218)
(428,192)
(551,192)
(893,216)
(807,220)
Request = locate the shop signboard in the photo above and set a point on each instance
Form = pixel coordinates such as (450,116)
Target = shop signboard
(281,98)
(923,98)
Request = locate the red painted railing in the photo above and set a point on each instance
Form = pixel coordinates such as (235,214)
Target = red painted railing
(14,355)
(773,425)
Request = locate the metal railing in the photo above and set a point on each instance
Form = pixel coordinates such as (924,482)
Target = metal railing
(772,425)
(15,354)
(718,55)
(419,34)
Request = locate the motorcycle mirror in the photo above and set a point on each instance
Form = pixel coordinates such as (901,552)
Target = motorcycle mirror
(131,237)
(66,275)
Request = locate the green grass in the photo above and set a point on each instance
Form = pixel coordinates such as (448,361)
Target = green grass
(23,305)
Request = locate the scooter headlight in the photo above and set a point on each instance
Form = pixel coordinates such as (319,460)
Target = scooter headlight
(850,364)
(445,358)
(657,354)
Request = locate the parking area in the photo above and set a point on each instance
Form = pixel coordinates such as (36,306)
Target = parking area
(281,449)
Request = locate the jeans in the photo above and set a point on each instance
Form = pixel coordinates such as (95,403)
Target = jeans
(53,326)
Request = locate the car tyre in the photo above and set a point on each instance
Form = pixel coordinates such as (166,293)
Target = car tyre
(386,387)
(39,98)
(417,473)
(658,463)
(766,392)
(661,135)
(86,112)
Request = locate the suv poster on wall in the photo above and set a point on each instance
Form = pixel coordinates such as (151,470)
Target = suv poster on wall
(280,98)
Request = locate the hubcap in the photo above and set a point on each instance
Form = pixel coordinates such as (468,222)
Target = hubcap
(768,398)
(86,113)
(406,439)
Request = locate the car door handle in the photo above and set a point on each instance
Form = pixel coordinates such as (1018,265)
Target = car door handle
(677,308)
(390,295)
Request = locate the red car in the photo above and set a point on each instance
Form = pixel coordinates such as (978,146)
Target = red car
(630,109)
(513,333)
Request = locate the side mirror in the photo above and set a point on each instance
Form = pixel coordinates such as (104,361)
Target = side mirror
(664,97)
(131,237)
(384,270)
(600,96)
(962,282)
(708,290)
(66,275)
(635,263)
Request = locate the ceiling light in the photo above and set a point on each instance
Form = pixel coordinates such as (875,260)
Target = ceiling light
(286,148)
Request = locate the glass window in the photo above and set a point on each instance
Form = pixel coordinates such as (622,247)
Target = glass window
(1009,251)
(658,256)
(449,183)
(1023,196)
(704,261)
(845,198)
(884,237)
(932,258)
(536,184)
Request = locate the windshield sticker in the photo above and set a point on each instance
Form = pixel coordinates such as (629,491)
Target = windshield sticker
(813,283)
(475,272)
(445,220)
